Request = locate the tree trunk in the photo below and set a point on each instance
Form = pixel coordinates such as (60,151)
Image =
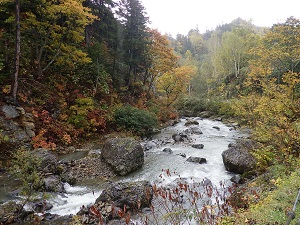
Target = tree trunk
(14,85)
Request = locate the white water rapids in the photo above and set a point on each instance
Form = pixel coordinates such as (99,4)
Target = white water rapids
(215,141)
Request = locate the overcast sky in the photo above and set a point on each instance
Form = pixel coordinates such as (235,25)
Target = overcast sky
(179,16)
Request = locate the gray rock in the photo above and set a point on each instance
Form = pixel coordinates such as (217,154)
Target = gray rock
(182,155)
(198,146)
(150,145)
(134,195)
(216,127)
(48,160)
(41,206)
(191,122)
(236,179)
(10,111)
(94,153)
(124,155)
(196,130)
(168,150)
(237,158)
(196,160)
(177,138)
(53,184)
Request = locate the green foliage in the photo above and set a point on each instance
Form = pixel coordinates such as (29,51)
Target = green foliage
(196,105)
(193,104)
(3,138)
(274,205)
(86,117)
(139,121)
(25,167)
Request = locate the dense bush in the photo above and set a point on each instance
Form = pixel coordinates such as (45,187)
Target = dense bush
(140,122)
(196,105)
(192,104)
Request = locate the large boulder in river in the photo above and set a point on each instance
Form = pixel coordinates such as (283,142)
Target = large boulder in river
(237,157)
(124,155)
(134,195)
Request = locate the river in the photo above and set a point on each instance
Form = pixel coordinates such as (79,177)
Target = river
(215,137)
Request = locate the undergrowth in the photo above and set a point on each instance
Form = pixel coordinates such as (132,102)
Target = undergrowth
(276,193)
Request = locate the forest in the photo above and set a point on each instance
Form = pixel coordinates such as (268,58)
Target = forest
(85,68)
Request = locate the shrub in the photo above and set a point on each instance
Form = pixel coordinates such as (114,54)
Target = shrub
(25,167)
(86,117)
(196,105)
(140,122)
(193,104)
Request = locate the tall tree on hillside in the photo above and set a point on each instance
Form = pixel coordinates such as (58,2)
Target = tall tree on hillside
(161,59)
(14,86)
(57,30)
(101,40)
(134,20)
(14,6)
(52,32)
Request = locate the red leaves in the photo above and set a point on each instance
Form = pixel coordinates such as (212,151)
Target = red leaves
(97,213)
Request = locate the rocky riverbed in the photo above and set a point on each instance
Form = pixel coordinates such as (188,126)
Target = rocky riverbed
(194,148)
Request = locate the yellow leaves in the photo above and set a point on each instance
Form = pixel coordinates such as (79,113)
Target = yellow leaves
(174,83)
(6,89)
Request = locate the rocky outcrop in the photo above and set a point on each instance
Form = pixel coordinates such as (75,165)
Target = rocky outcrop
(13,213)
(16,123)
(116,201)
(16,129)
(132,195)
(54,174)
(47,160)
(237,157)
(124,155)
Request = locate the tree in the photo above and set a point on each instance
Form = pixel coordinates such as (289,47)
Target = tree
(14,86)
(135,22)
(161,59)
(54,31)
(174,84)
(277,55)
(271,100)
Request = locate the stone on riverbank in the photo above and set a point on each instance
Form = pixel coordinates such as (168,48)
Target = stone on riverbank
(124,155)
(237,157)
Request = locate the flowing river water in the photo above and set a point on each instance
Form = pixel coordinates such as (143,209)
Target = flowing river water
(215,137)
